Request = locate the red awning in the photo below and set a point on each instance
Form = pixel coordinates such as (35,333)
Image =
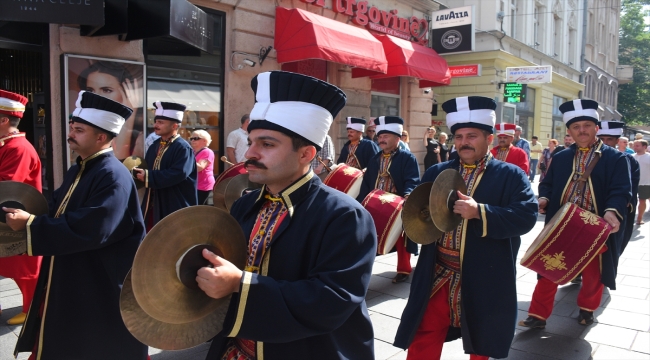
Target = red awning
(406,58)
(301,35)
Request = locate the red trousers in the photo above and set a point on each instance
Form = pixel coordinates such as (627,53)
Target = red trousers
(403,257)
(589,297)
(27,288)
(430,336)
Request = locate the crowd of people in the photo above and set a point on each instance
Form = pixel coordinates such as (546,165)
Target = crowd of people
(311,246)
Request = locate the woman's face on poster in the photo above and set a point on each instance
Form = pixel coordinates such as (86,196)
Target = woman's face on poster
(105,85)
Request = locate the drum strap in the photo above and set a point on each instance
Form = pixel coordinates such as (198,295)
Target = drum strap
(585,176)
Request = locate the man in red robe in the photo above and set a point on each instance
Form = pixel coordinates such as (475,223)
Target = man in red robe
(507,152)
(18,162)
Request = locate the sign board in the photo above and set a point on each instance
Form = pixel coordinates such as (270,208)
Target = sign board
(453,30)
(514,92)
(530,74)
(83,12)
(465,70)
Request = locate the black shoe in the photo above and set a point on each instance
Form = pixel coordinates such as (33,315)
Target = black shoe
(586,317)
(533,322)
(577,279)
(400,278)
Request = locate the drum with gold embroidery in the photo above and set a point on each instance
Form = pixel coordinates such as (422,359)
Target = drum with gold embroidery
(236,169)
(345,178)
(386,211)
(573,238)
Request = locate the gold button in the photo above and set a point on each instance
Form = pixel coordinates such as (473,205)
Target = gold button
(261,232)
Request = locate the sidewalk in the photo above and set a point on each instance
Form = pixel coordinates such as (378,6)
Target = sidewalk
(621,330)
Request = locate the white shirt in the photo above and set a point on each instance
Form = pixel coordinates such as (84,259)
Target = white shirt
(644,166)
(238,140)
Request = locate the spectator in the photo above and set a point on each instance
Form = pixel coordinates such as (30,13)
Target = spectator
(404,141)
(326,154)
(568,141)
(535,151)
(371,133)
(444,149)
(521,142)
(200,141)
(237,143)
(545,159)
(622,145)
(432,156)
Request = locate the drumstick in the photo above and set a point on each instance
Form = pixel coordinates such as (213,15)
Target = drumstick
(225,159)
(322,162)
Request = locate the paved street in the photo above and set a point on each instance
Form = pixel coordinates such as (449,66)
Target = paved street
(621,330)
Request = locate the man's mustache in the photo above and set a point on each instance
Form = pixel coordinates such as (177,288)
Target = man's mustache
(383,143)
(254,163)
(466,147)
(71,140)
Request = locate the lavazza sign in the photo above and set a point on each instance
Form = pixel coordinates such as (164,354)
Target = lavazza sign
(388,22)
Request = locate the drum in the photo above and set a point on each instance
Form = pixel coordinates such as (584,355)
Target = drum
(234,170)
(346,179)
(566,245)
(386,211)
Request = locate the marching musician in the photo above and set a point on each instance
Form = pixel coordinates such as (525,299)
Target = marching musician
(507,152)
(358,150)
(18,162)
(607,193)
(464,283)
(610,132)
(88,242)
(310,247)
(171,182)
(395,171)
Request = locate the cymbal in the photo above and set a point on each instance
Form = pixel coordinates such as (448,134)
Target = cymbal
(18,195)
(236,188)
(135,161)
(167,336)
(219,193)
(416,218)
(160,264)
(442,198)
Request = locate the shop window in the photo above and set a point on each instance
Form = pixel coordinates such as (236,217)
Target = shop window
(312,67)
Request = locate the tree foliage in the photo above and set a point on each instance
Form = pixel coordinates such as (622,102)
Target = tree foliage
(634,49)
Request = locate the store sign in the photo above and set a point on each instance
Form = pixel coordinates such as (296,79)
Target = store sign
(465,70)
(514,92)
(83,12)
(452,30)
(387,22)
(530,74)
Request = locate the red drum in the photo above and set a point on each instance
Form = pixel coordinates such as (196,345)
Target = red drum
(567,244)
(234,170)
(346,179)
(386,211)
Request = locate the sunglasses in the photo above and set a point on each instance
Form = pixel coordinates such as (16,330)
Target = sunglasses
(195,138)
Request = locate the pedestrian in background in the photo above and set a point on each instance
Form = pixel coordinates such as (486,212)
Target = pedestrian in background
(444,148)
(237,142)
(545,159)
(326,155)
(535,152)
(432,156)
(404,141)
(204,157)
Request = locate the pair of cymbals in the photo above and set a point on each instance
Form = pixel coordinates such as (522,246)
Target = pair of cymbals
(133,162)
(428,211)
(18,195)
(227,191)
(161,303)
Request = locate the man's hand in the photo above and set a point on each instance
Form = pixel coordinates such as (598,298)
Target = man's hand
(466,207)
(139,173)
(542,203)
(612,220)
(221,280)
(16,218)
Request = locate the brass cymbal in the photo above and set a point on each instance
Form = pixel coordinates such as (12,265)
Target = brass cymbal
(416,218)
(219,194)
(135,161)
(160,263)
(167,336)
(236,188)
(442,198)
(18,195)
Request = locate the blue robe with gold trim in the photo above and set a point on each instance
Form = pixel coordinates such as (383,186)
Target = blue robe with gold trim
(173,187)
(365,151)
(309,300)
(87,251)
(507,210)
(611,187)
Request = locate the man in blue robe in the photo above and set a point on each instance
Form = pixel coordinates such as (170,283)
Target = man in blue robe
(310,247)
(395,171)
(88,242)
(607,193)
(357,151)
(464,283)
(170,181)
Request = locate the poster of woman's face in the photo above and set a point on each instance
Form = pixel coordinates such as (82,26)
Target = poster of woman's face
(120,80)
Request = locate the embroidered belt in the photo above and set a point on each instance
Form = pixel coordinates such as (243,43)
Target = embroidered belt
(449,258)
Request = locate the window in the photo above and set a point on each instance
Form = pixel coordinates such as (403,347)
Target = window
(559,129)
(385,98)
(557,38)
